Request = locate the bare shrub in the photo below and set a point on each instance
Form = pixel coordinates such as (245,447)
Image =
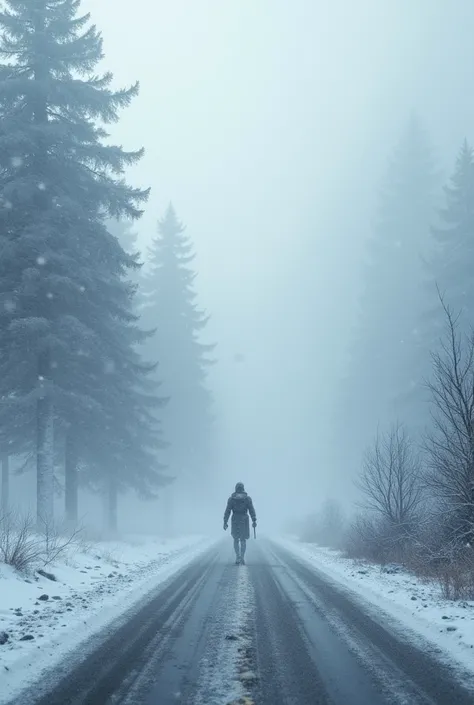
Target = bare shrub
(84,545)
(359,539)
(372,538)
(109,557)
(456,575)
(450,444)
(24,547)
(391,496)
(20,547)
(57,540)
(391,478)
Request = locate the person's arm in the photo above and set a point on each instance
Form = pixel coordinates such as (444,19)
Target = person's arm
(227,512)
(252,511)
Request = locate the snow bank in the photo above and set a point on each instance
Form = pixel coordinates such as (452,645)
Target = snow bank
(413,607)
(41,620)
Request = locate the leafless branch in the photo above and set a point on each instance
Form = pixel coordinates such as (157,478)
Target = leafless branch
(390,482)
(450,443)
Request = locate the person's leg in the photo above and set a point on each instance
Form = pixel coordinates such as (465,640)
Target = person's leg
(237,549)
(243,546)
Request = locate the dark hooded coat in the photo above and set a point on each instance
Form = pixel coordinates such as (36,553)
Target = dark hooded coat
(241,505)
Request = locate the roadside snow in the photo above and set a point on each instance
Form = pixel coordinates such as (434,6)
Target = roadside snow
(41,620)
(411,602)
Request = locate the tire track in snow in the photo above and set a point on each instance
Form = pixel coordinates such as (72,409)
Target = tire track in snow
(226,674)
(404,674)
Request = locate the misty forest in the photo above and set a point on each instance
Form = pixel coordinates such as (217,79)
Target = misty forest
(102,364)
(105,351)
(237,245)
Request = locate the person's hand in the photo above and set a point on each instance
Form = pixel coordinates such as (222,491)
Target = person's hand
(225,527)
(254,524)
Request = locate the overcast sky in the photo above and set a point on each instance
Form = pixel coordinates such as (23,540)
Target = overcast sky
(268,124)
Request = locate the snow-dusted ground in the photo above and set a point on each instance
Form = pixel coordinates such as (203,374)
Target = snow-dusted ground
(412,606)
(224,674)
(94,585)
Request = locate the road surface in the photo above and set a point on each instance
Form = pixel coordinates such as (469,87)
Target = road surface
(273,632)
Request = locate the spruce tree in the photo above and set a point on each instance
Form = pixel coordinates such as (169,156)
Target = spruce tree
(388,358)
(169,307)
(124,231)
(452,262)
(66,318)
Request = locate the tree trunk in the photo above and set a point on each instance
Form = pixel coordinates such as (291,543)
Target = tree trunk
(5,484)
(71,462)
(44,407)
(168,510)
(44,462)
(112,501)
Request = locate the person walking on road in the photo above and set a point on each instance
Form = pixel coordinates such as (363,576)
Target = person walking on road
(241,505)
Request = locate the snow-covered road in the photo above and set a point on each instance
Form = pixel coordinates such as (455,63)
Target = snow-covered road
(277,631)
(414,607)
(43,620)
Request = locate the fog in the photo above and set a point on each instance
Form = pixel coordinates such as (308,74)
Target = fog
(269,125)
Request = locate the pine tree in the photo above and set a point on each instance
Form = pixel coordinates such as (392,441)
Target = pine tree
(124,452)
(388,358)
(63,278)
(124,230)
(125,233)
(452,263)
(169,306)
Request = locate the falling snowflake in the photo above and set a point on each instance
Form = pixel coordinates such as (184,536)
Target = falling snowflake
(8,205)
(41,261)
(82,289)
(54,364)
(9,306)
(42,186)
(16,162)
(41,378)
(49,295)
(109,367)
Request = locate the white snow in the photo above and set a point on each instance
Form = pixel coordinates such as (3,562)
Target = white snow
(9,306)
(411,606)
(94,585)
(224,673)
(109,367)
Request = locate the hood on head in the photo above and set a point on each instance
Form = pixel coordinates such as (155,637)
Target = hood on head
(240,487)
